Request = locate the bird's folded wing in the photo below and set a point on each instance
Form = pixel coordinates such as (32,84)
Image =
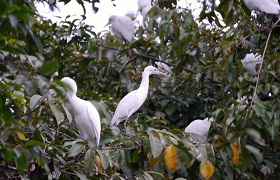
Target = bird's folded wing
(95,121)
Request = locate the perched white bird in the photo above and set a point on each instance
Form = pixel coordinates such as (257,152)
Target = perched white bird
(265,170)
(86,116)
(200,127)
(163,67)
(122,27)
(250,61)
(267,6)
(143,3)
(144,6)
(134,100)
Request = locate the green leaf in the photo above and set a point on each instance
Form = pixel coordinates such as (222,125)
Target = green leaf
(57,113)
(257,153)
(89,160)
(49,67)
(75,149)
(135,156)
(34,101)
(256,136)
(104,160)
(156,146)
(147,176)
(9,155)
(20,160)
(275,89)
(34,143)
(80,175)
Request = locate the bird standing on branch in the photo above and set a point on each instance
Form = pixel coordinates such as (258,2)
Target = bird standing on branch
(134,100)
(86,116)
(200,127)
(267,6)
(122,27)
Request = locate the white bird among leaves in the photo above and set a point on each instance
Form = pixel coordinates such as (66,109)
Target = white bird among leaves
(122,27)
(144,6)
(267,6)
(134,100)
(200,127)
(250,61)
(86,116)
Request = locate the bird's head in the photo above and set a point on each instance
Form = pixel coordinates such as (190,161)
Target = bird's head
(111,20)
(208,120)
(72,86)
(153,70)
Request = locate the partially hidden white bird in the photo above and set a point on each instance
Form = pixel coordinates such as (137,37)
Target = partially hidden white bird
(250,61)
(267,6)
(85,114)
(122,27)
(163,67)
(144,6)
(199,126)
(134,100)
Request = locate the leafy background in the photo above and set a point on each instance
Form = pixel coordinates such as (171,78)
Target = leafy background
(39,141)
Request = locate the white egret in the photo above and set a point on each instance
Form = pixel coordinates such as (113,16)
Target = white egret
(163,67)
(134,100)
(265,170)
(144,6)
(250,61)
(200,127)
(267,6)
(86,116)
(122,27)
(143,3)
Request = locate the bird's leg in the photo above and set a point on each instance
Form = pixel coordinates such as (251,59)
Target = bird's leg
(120,129)
(125,128)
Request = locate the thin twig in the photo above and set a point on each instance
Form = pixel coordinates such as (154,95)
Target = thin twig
(261,64)
(259,75)
(36,108)
(171,64)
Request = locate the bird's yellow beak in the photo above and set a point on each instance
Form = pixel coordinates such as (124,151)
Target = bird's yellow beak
(162,73)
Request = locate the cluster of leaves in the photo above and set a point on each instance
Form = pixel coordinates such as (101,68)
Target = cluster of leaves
(38,137)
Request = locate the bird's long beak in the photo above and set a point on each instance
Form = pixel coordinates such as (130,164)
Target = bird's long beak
(162,73)
(107,24)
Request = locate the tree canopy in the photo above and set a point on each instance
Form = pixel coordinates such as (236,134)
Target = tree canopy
(39,139)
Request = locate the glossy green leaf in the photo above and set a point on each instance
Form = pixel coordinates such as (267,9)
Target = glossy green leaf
(75,149)
(34,101)
(104,160)
(156,146)
(89,160)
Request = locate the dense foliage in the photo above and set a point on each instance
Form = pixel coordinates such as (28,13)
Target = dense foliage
(38,137)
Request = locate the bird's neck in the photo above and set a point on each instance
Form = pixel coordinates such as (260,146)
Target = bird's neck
(71,97)
(145,82)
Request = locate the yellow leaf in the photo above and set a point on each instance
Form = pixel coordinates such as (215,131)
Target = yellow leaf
(236,153)
(98,163)
(170,157)
(20,135)
(206,170)
(22,123)
(153,161)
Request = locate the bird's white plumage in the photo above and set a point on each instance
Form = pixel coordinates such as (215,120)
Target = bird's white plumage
(134,100)
(163,67)
(199,126)
(250,61)
(85,114)
(122,27)
(144,6)
(143,3)
(267,6)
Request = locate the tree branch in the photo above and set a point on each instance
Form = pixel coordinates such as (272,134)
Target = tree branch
(259,75)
